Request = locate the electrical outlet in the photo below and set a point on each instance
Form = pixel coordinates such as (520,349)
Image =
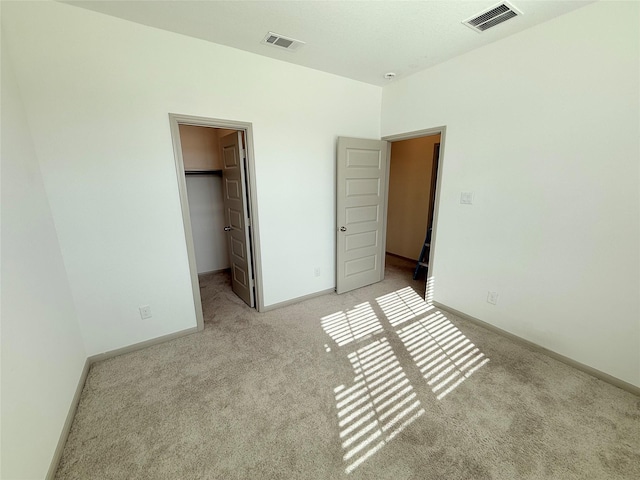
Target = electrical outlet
(145,312)
(492,298)
(316,271)
(466,198)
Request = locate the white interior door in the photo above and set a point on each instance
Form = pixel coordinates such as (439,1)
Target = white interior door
(237,217)
(361,204)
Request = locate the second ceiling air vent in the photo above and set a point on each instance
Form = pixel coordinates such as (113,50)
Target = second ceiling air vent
(280,41)
(492,16)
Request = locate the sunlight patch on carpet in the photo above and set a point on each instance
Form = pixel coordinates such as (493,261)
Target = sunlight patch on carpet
(353,325)
(444,355)
(378,405)
(403,305)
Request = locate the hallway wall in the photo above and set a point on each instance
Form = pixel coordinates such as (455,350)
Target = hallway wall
(410,177)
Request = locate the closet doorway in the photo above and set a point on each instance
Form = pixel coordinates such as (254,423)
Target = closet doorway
(215,173)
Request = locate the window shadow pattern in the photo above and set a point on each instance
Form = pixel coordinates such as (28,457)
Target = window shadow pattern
(378,405)
(403,305)
(353,325)
(380,402)
(444,355)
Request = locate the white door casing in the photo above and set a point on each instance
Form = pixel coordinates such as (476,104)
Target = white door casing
(237,217)
(362,174)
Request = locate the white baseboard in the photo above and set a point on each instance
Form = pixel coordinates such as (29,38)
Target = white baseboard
(57,455)
(66,428)
(605,377)
(297,300)
(139,346)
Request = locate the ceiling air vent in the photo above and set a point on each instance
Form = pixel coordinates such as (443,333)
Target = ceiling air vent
(280,41)
(492,17)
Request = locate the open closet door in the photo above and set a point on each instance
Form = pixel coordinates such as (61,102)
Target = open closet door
(237,217)
(361,202)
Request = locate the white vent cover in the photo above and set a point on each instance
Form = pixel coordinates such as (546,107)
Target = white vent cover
(492,16)
(280,41)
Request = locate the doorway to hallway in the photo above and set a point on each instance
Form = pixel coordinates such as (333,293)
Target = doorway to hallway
(413,172)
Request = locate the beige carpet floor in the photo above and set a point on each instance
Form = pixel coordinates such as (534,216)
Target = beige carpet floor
(373,384)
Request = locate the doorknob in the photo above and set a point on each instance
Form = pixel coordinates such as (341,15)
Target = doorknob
(343,229)
(227,229)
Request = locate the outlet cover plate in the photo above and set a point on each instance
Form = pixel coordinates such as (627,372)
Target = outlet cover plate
(492,298)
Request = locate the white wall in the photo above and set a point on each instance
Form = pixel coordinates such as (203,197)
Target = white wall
(543,128)
(42,349)
(98,90)
(206,211)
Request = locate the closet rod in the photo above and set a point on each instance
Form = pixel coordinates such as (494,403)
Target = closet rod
(203,172)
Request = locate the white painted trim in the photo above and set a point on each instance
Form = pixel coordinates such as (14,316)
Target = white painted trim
(66,428)
(436,203)
(255,223)
(386,211)
(415,134)
(175,120)
(140,345)
(186,219)
(297,300)
(605,377)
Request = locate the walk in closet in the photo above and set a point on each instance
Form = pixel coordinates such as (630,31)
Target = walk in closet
(203,174)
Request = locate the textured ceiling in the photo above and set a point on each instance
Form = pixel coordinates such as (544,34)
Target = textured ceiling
(361,40)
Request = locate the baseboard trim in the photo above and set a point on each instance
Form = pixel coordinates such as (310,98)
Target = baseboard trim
(220,270)
(64,434)
(66,428)
(605,377)
(297,300)
(139,346)
(413,260)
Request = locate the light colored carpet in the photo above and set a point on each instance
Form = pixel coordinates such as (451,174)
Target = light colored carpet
(373,384)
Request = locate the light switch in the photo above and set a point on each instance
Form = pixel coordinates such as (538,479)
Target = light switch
(466,198)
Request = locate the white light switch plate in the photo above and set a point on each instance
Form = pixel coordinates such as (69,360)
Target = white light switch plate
(466,198)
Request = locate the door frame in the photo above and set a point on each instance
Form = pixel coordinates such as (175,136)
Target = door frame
(442,130)
(175,120)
